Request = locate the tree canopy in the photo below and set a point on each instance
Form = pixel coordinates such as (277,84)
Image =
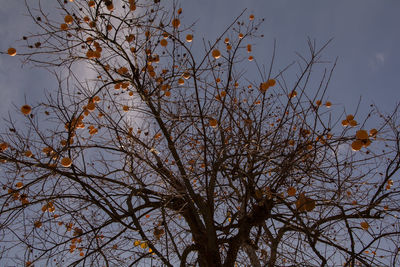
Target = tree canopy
(162,148)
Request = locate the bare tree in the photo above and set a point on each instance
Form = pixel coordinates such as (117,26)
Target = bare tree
(159,149)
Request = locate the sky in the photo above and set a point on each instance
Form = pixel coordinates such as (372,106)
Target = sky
(366,42)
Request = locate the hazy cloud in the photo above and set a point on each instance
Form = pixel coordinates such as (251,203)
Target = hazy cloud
(377,61)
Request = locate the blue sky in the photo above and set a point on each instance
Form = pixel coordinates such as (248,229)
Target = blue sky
(365,32)
(366,40)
